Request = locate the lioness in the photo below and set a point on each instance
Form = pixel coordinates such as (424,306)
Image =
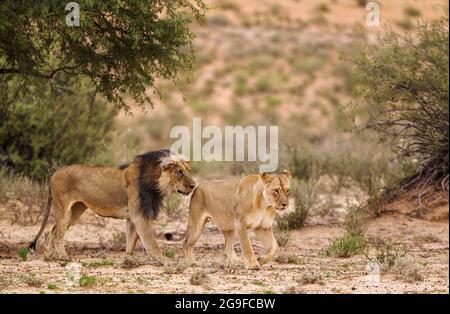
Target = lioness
(133,192)
(237,206)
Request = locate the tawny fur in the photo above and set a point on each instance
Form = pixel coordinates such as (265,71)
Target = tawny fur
(132,192)
(236,207)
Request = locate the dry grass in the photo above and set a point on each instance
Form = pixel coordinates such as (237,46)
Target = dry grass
(199,278)
(288,258)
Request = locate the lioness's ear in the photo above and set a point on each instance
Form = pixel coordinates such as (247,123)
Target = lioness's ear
(287,173)
(264,177)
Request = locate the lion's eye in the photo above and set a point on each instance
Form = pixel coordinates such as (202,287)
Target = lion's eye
(181,173)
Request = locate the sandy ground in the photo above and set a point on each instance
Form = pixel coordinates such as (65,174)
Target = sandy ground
(427,244)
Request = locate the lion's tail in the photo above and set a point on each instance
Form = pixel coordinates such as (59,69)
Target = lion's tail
(32,245)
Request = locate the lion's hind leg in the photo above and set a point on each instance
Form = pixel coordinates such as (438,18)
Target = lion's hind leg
(55,246)
(196,224)
(65,216)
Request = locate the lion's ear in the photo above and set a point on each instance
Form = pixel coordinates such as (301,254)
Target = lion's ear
(287,173)
(166,163)
(186,165)
(264,177)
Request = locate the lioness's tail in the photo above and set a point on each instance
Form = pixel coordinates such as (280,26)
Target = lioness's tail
(32,245)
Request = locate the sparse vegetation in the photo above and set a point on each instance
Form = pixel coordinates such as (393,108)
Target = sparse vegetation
(346,246)
(32,280)
(169,253)
(175,267)
(409,108)
(23,253)
(87,281)
(310,279)
(119,241)
(288,258)
(96,264)
(353,242)
(199,278)
(130,261)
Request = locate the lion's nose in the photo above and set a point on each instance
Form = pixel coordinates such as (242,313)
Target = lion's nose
(285,204)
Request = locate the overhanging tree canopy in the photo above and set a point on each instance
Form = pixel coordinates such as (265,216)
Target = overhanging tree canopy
(121,46)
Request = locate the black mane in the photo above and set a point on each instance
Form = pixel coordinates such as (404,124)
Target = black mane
(150,198)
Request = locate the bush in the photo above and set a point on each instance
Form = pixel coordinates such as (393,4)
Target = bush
(87,281)
(354,241)
(409,106)
(199,278)
(304,201)
(346,246)
(60,129)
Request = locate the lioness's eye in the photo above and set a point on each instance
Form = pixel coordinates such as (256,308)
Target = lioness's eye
(276,191)
(287,192)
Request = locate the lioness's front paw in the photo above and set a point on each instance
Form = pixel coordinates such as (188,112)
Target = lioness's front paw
(262,260)
(190,261)
(253,265)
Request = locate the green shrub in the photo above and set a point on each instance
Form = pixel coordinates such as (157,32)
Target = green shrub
(409,106)
(60,129)
(353,242)
(169,253)
(31,280)
(87,281)
(23,253)
(346,246)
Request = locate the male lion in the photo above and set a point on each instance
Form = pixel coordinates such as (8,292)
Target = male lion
(237,206)
(133,192)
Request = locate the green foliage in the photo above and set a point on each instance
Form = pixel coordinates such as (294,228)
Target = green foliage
(23,253)
(356,223)
(387,254)
(52,286)
(96,264)
(346,246)
(87,281)
(353,241)
(169,253)
(121,46)
(59,128)
(31,280)
(409,106)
